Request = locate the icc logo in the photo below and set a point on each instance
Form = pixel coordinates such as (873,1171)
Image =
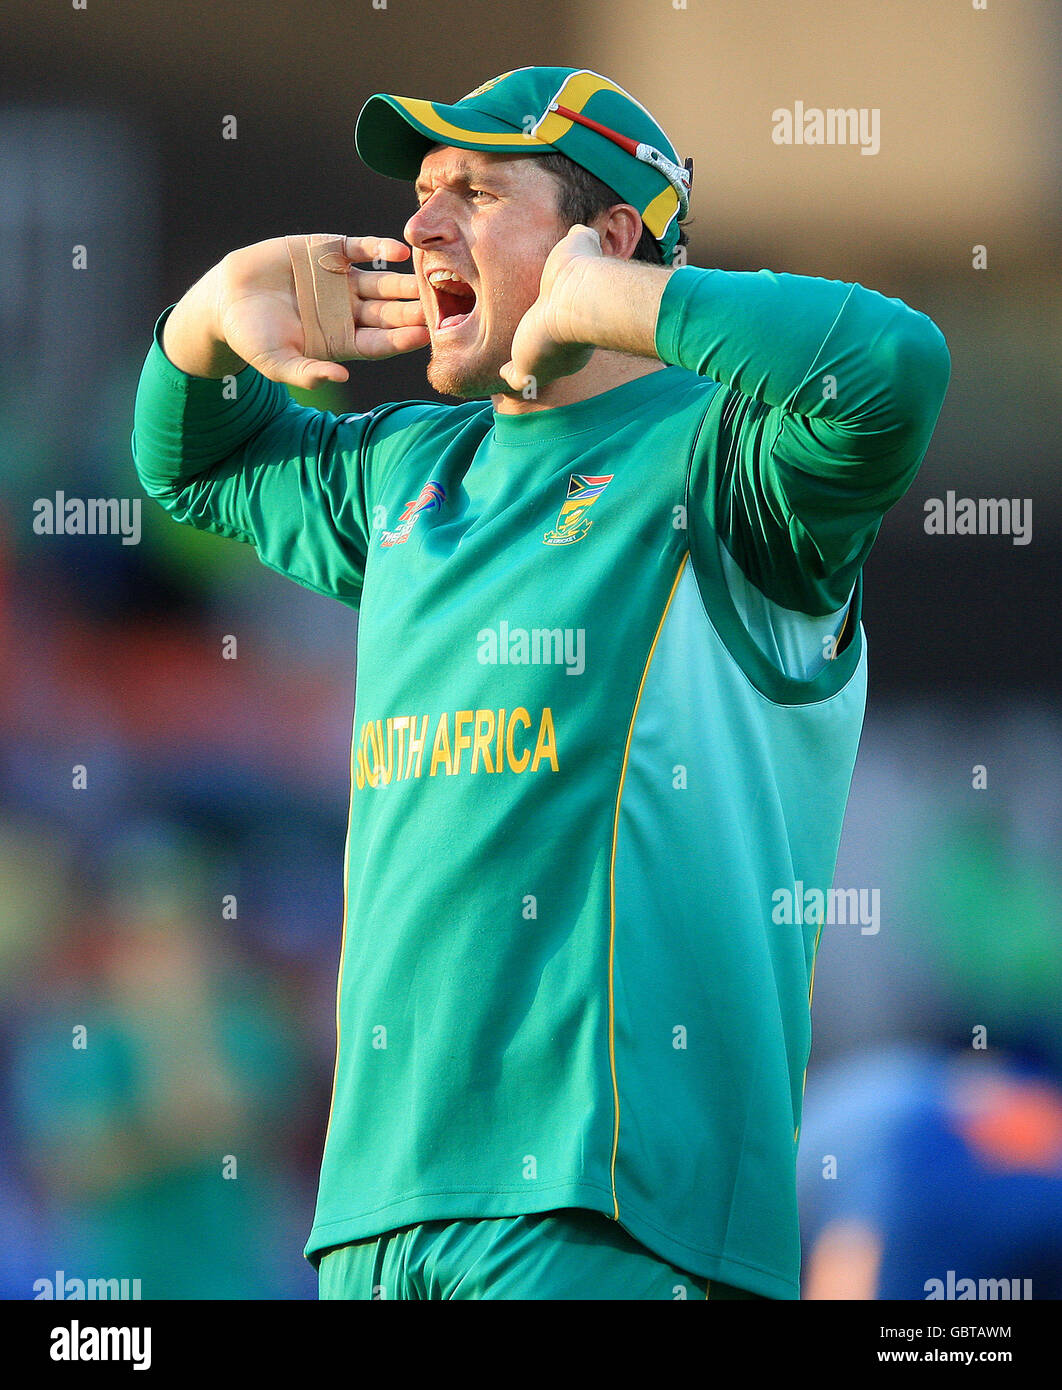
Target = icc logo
(430,499)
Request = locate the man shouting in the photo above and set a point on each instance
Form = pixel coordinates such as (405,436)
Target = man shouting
(610,683)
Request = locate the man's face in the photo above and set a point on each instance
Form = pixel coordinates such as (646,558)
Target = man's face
(492,220)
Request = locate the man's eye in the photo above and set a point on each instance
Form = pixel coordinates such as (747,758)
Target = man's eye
(478,193)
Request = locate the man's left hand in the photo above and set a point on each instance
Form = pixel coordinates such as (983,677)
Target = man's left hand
(544,347)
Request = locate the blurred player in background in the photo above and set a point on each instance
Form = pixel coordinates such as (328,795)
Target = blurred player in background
(946,1179)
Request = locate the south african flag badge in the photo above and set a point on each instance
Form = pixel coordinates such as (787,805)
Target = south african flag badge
(572,521)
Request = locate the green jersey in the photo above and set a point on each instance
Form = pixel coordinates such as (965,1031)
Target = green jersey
(579,777)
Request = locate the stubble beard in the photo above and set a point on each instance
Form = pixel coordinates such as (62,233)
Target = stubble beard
(468,376)
(467,381)
(477,376)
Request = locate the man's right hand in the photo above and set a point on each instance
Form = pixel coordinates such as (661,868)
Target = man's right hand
(247,310)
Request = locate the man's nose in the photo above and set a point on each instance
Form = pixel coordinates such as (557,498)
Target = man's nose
(429,225)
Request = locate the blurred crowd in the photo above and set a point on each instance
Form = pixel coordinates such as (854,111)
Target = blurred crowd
(171,840)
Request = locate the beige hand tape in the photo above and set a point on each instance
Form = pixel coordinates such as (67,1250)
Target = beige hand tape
(322,288)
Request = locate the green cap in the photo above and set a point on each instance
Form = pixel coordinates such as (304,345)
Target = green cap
(533,110)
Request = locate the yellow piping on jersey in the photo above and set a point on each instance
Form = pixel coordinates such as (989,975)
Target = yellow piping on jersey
(811,991)
(343,934)
(612,890)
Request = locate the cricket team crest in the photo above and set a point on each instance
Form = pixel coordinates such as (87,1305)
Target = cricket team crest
(486,86)
(430,499)
(572,521)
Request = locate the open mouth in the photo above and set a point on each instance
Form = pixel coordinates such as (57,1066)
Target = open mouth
(455,298)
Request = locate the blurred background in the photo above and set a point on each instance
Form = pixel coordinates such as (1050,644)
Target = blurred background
(184,906)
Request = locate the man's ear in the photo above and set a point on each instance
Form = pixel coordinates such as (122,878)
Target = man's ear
(620,230)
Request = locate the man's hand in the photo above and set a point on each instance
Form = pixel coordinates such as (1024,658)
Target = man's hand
(293,307)
(545,345)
